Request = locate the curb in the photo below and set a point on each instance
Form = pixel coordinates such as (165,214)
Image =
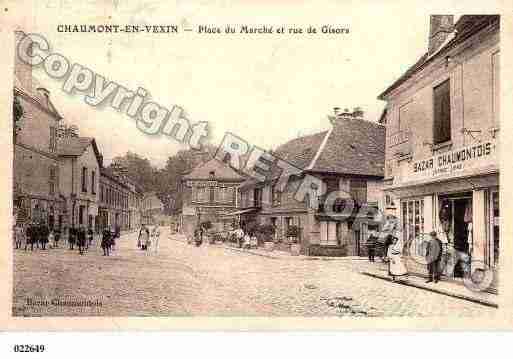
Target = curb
(434,290)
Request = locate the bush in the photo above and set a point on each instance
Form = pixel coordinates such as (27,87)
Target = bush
(267,231)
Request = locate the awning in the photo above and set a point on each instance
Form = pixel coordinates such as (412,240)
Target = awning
(242,211)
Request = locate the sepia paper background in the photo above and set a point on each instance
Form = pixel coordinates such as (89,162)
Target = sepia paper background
(373,17)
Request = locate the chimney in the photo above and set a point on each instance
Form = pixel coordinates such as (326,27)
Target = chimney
(358,113)
(440,27)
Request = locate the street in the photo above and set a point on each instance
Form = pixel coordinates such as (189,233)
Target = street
(211,280)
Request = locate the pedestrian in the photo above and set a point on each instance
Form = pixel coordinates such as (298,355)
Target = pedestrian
(144,234)
(30,235)
(254,241)
(72,236)
(89,237)
(371,245)
(389,239)
(43,235)
(433,257)
(246,241)
(239,235)
(112,243)
(18,235)
(396,267)
(81,240)
(57,237)
(156,237)
(105,244)
(51,238)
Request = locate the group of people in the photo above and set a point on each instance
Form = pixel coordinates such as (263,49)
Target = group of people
(245,240)
(40,235)
(393,255)
(148,238)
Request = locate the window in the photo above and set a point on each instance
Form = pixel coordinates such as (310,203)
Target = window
(52,180)
(84,179)
(202,194)
(93,182)
(53,139)
(275,195)
(389,201)
(101,193)
(257,193)
(358,190)
(442,112)
(412,213)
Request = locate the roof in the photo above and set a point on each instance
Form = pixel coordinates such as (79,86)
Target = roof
(221,172)
(75,147)
(28,85)
(466,26)
(354,146)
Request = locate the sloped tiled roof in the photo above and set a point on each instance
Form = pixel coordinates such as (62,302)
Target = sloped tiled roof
(73,146)
(466,26)
(354,146)
(301,151)
(25,83)
(221,172)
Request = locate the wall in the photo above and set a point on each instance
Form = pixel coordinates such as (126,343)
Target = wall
(474,81)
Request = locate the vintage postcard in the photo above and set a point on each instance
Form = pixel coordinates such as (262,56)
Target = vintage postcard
(255,165)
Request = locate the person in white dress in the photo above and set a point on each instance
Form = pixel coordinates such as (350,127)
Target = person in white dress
(396,266)
(156,236)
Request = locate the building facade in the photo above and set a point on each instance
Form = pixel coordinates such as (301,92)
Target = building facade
(114,196)
(79,172)
(151,207)
(36,194)
(442,143)
(349,160)
(209,194)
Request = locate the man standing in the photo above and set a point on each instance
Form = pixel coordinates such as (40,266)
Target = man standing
(105,244)
(371,245)
(434,257)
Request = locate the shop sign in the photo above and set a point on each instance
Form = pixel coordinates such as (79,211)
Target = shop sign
(201,183)
(452,163)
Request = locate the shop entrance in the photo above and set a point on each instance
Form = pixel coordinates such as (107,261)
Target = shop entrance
(456,221)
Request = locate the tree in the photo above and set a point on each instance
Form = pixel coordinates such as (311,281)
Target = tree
(17,114)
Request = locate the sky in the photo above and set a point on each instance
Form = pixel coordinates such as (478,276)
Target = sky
(267,89)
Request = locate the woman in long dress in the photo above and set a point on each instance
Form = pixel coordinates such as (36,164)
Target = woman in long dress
(396,265)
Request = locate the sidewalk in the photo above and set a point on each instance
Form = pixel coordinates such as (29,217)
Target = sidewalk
(276,254)
(450,287)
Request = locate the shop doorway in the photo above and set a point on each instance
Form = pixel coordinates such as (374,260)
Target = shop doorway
(456,219)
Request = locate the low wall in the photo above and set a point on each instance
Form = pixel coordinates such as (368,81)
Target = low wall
(326,251)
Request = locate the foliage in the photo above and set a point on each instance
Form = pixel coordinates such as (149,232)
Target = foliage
(293,231)
(17,114)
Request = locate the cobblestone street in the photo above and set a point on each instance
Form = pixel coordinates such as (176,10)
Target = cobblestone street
(182,280)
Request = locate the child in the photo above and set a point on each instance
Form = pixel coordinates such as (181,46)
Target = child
(254,241)
(247,241)
(51,237)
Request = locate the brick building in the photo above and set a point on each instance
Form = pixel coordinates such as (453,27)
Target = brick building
(35,164)
(349,158)
(442,148)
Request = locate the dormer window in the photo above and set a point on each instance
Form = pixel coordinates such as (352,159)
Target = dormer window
(212,174)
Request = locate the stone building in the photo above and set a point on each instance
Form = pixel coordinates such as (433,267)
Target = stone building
(442,143)
(35,161)
(209,194)
(114,209)
(349,160)
(79,172)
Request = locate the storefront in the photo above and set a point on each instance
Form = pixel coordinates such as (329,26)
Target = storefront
(455,194)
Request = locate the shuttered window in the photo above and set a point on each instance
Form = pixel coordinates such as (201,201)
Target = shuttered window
(442,113)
